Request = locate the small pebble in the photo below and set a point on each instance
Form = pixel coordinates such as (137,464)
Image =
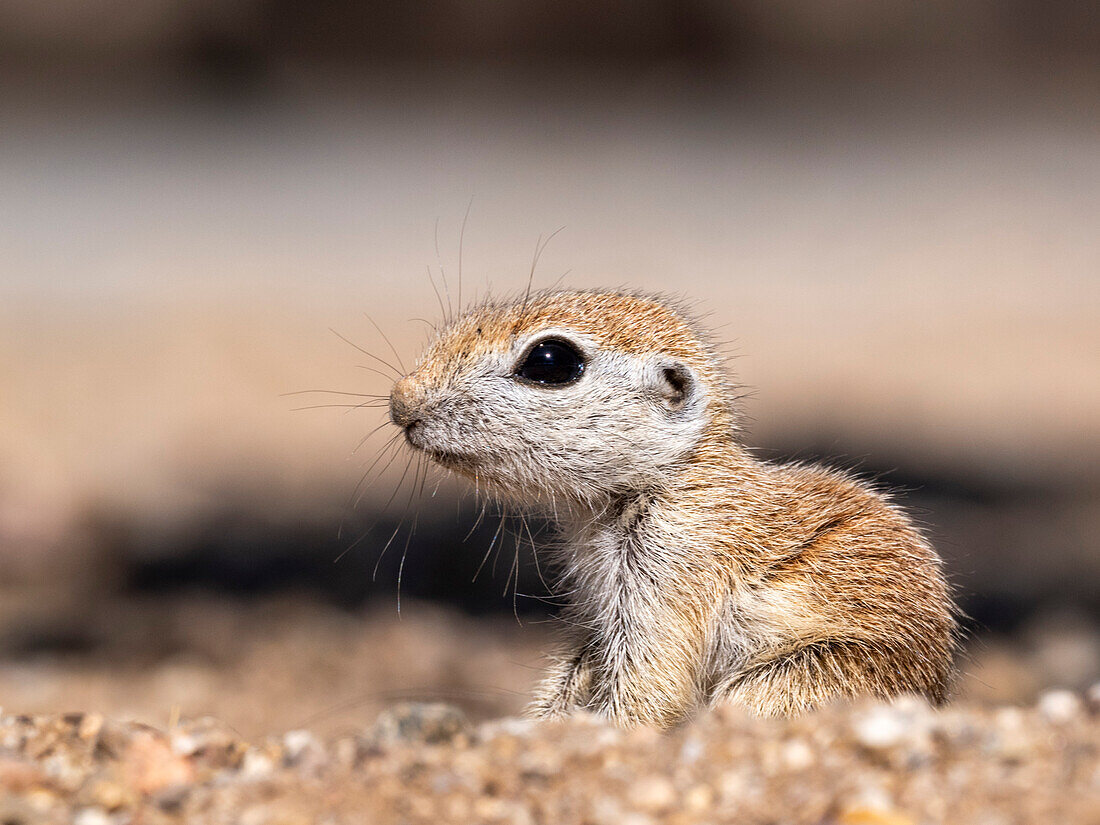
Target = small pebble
(510,726)
(699,798)
(150,765)
(429,722)
(300,747)
(184,744)
(797,755)
(90,726)
(1059,707)
(91,816)
(654,794)
(880,728)
(691,750)
(256,765)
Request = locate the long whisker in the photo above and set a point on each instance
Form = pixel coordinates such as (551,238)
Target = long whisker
(392,447)
(366,438)
(420,466)
(540,245)
(355,497)
(389,343)
(423,478)
(488,550)
(375,371)
(351,547)
(461,239)
(400,521)
(334,392)
(443,274)
(477,523)
(401,564)
(381,361)
(560,278)
(515,587)
(396,489)
(438,297)
(374,404)
(535,554)
(358,541)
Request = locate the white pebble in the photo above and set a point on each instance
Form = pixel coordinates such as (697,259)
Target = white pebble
(1059,707)
(184,744)
(297,742)
(880,728)
(509,726)
(91,816)
(797,755)
(256,765)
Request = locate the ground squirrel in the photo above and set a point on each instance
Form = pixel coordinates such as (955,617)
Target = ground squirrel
(695,573)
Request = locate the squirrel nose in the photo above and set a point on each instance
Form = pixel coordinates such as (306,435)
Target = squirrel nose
(404,403)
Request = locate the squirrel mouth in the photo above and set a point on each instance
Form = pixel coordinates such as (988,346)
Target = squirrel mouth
(452,461)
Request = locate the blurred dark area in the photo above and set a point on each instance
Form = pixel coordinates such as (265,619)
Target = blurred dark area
(247,47)
(888,208)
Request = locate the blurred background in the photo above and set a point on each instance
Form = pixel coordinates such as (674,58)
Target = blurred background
(890,211)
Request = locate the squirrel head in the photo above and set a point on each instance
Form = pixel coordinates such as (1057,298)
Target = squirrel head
(565,395)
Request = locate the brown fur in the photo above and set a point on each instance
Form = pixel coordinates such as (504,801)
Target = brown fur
(698,574)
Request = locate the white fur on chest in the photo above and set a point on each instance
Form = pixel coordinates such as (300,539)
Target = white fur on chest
(625,574)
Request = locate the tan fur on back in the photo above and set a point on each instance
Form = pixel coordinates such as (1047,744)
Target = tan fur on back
(695,573)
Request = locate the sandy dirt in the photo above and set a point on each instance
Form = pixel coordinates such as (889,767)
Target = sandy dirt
(280,711)
(863,765)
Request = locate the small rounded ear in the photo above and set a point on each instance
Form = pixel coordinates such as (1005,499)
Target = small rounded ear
(675,385)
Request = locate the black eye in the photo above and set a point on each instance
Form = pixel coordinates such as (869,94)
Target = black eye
(552,362)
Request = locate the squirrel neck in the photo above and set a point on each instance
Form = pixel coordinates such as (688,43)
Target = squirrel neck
(718,462)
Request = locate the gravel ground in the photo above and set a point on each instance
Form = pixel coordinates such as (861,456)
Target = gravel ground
(868,764)
(283,711)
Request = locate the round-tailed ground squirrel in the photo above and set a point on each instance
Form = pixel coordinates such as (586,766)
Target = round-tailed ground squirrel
(695,573)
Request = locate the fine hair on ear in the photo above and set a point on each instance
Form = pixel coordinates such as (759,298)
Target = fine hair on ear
(675,384)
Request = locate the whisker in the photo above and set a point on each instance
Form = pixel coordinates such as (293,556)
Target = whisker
(540,245)
(438,297)
(393,495)
(477,523)
(561,278)
(424,477)
(372,404)
(439,483)
(381,361)
(355,497)
(393,446)
(405,550)
(461,239)
(535,554)
(334,392)
(488,550)
(515,587)
(400,521)
(365,438)
(443,274)
(389,343)
(350,547)
(389,378)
